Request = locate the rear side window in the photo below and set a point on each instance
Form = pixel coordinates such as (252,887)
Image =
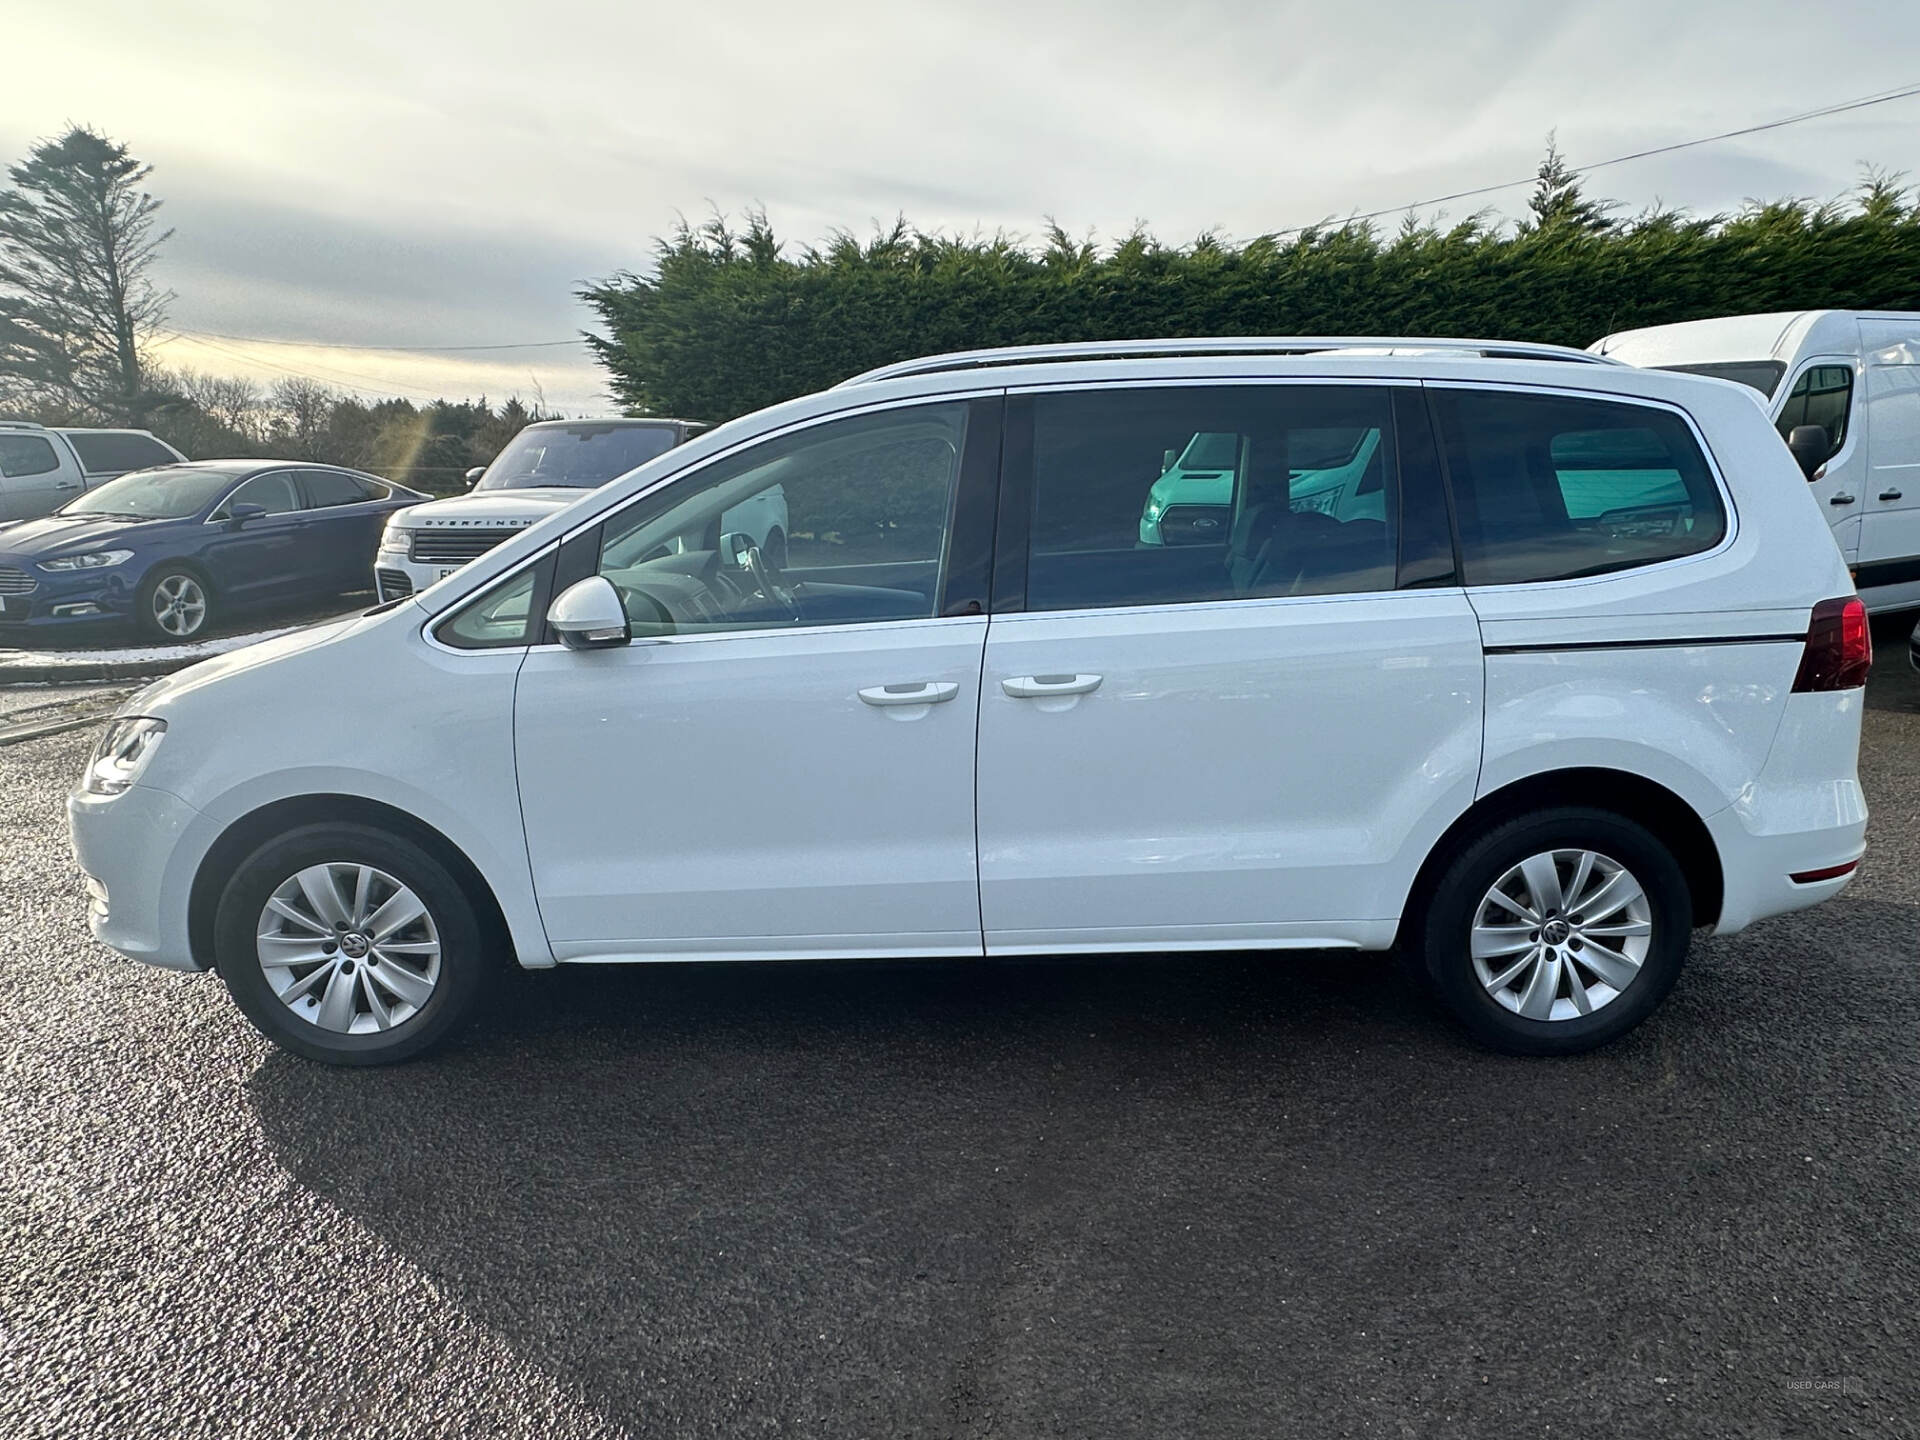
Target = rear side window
(1170,495)
(1822,396)
(111,450)
(1548,487)
(327,488)
(22,455)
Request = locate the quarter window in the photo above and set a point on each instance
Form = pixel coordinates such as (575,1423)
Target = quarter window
(1154,496)
(1823,395)
(500,616)
(1548,487)
(23,455)
(843,523)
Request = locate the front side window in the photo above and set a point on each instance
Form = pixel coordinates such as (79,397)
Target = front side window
(23,455)
(1823,395)
(1549,487)
(1170,495)
(838,524)
(275,494)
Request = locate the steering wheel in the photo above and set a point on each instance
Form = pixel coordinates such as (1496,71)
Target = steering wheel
(767,577)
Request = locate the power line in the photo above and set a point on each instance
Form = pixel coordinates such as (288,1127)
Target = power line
(349,345)
(368,385)
(1838,108)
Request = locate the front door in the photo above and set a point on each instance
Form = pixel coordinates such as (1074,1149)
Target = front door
(1237,743)
(268,555)
(781,762)
(1820,393)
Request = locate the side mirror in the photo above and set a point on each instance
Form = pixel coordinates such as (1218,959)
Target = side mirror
(588,615)
(1810,446)
(473,475)
(1167,457)
(238,515)
(735,547)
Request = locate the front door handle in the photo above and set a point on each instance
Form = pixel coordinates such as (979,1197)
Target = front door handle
(930,693)
(1039,687)
(69,484)
(1841,499)
(1889,494)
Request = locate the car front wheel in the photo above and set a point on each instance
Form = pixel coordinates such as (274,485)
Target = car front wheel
(349,944)
(1558,931)
(174,604)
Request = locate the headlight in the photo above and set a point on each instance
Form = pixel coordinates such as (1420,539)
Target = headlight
(123,752)
(393,540)
(94,560)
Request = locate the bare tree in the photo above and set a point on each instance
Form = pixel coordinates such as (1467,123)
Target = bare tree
(301,410)
(76,241)
(228,400)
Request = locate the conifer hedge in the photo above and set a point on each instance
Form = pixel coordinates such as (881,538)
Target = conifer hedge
(729,321)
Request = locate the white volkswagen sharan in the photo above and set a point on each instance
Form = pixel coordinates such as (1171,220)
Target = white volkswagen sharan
(1567,668)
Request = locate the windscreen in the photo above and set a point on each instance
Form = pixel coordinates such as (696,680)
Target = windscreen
(171,494)
(580,456)
(1761,375)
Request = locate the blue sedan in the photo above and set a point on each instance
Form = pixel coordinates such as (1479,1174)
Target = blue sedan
(174,548)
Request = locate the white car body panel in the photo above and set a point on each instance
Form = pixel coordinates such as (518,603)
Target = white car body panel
(729,795)
(1213,790)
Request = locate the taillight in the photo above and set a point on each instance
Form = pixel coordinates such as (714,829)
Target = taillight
(1839,647)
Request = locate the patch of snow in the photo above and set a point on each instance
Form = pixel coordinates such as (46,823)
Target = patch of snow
(154,654)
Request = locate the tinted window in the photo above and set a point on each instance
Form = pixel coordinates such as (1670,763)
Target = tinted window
(838,524)
(1823,395)
(1548,488)
(1290,494)
(153,494)
(274,493)
(26,455)
(579,456)
(1761,375)
(116,451)
(330,487)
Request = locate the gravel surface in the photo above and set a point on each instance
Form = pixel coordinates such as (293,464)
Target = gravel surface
(1162,1196)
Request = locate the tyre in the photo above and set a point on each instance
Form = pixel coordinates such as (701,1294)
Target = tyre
(1558,931)
(174,604)
(350,945)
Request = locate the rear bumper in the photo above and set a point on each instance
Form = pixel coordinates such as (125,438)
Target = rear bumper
(1803,812)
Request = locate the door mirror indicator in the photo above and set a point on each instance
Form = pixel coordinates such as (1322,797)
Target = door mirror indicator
(239,514)
(1811,447)
(588,615)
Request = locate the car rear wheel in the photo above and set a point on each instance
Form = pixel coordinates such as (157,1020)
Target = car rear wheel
(1558,931)
(350,945)
(175,604)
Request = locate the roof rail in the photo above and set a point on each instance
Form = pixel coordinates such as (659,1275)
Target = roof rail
(1226,346)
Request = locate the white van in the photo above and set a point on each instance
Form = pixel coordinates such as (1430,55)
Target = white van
(1588,680)
(1856,375)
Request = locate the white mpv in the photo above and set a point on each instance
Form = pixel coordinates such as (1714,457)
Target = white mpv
(1588,677)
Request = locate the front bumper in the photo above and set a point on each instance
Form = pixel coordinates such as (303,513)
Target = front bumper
(395,576)
(73,597)
(126,844)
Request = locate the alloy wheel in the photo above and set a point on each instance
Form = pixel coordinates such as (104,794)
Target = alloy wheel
(1561,935)
(349,948)
(179,605)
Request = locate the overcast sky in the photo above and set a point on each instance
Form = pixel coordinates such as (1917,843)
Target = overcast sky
(414,173)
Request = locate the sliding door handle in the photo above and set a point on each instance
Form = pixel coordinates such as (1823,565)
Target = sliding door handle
(1039,687)
(930,693)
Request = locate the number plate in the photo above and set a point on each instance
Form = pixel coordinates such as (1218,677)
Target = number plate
(446,570)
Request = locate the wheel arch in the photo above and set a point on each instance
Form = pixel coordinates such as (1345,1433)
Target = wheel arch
(1633,797)
(254,829)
